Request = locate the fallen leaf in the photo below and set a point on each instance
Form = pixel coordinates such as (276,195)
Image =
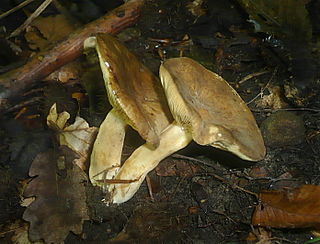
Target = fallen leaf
(286,19)
(78,136)
(289,208)
(258,171)
(68,72)
(259,235)
(275,100)
(60,204)
(47,30)
(197,8)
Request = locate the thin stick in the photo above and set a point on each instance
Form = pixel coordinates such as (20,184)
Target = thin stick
(41,65)
(250,76)
(179,156)
(8,231)
(21,5)
(177,187)
(232,185)
(260,94)
(215,175)
(269,110)
(117,181)
(149,188)
(34,15)
(25,103)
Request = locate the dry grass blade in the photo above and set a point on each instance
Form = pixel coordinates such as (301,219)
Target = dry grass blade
(16,8)
(34,15)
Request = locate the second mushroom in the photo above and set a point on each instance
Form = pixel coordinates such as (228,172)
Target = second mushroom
(204,106)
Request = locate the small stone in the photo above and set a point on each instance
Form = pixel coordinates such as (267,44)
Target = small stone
(283,128)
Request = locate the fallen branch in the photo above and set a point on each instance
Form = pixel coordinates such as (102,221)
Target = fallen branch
(16,81)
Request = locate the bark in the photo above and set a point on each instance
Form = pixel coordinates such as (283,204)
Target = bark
(16,81)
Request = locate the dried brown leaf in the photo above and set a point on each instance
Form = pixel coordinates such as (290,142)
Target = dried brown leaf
(59,188)
(275,100)
(289,208)
(259,235)
(46,30)
(70,71)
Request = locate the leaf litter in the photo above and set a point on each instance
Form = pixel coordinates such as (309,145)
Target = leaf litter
(59,183)
(60,204)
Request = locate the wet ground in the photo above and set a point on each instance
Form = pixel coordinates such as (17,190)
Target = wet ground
(200,194)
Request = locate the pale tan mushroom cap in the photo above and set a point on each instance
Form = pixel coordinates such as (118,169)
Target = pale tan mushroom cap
(132,89)
(210,109)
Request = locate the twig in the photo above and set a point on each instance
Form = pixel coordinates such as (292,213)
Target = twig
(260,94)
(215,175)
(11,230)
(116,181)
(232,185)
(269,110)
(179,156)
(225,215)
(250,76)
(25,103)
(149,188)
(41,65)
(21,5)
(34,15)
(21,112)
(177,187)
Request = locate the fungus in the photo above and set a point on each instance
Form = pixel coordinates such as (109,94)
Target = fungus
(137,100)
(204,106)
(207,110)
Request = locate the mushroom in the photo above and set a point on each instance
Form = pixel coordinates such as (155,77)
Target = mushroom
(137,100)
(207,110)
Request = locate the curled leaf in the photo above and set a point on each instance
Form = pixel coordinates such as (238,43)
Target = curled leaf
(78,136)
(291,208)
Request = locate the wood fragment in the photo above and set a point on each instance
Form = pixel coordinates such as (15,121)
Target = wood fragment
(16,81)
(117,181)
(250,76)
(149,184)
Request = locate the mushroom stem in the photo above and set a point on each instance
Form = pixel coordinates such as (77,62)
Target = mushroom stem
(146,158)
(107,149)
